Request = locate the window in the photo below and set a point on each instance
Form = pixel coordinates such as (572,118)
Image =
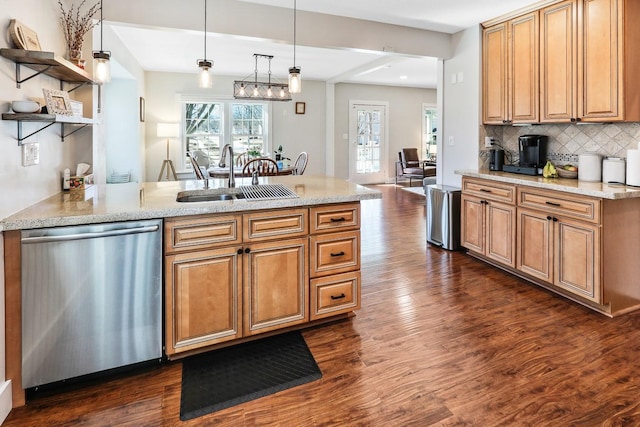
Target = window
(210,124)
(429,129)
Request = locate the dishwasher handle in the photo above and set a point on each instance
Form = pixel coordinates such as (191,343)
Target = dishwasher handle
(90,235)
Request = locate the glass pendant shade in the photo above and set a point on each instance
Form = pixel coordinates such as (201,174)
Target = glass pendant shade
(295,80)
(206,78)
(101,67)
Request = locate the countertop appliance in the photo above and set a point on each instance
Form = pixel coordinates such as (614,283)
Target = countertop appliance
(613,170)
(532,155)
(590,167)
(496,159)
(91,299)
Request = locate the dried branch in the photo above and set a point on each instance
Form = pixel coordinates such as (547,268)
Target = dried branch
(76,25)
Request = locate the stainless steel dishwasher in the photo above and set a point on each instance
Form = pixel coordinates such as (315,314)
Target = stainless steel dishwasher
(91,299)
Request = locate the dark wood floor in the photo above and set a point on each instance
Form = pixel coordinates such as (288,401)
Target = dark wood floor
(441,339)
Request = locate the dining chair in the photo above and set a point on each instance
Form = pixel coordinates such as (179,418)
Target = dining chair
(301,163)
(264,165)
(241,159)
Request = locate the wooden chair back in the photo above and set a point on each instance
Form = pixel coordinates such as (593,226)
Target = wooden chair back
(264,165)
(241,159)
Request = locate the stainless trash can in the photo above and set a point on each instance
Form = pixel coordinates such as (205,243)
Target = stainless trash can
(443,216)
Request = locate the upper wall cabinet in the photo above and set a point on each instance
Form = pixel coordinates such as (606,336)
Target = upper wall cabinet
(587,69)
(558,62)
(608,61)
(510,71)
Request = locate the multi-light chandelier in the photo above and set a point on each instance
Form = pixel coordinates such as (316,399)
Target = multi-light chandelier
(260,90)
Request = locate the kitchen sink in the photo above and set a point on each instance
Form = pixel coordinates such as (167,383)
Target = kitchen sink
(207,197)
(244,192)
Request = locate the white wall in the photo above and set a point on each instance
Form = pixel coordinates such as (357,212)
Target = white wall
(461,109)
(23,186)
(405,119)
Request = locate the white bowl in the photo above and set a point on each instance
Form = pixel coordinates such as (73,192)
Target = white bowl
(25,107)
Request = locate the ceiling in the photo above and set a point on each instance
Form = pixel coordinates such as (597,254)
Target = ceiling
(173,50)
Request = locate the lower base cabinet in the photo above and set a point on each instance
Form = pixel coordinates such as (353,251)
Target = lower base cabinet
(560,251)
(234,276)
(275,291)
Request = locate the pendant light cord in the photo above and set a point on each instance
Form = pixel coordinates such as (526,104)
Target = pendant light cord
(205,30)
(102,26)
(294,32)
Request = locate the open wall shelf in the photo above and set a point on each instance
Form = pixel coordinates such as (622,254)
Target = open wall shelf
(48,64)
(49,120)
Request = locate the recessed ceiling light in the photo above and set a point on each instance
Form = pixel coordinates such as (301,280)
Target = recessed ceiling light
(403,77)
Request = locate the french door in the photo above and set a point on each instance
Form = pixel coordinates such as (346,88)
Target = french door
(368,153)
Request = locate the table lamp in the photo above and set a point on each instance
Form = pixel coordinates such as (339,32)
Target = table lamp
(168,130)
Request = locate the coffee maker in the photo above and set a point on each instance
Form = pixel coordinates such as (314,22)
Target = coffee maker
(496,159)
(532,155)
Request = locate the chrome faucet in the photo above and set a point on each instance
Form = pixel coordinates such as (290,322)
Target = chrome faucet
(231,181)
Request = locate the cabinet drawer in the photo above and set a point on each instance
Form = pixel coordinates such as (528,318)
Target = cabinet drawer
(201,232)
(326,219)
(275,224)
(559,203)
(490,190)
(335,294)
(335,253)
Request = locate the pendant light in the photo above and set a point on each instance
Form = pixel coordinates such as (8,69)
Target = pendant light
(295,80)
(101,66)
(206,79)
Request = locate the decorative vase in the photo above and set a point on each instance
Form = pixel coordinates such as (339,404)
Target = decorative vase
(75,57)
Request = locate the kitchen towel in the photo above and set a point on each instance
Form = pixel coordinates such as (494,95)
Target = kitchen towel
(633,166)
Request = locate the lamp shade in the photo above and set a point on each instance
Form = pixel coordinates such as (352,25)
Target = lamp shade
(168,130)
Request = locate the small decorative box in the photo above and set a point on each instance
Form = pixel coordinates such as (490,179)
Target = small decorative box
(80,182)
(76,108)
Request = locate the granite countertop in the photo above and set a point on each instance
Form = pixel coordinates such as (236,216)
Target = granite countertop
(593,189)
(134,201)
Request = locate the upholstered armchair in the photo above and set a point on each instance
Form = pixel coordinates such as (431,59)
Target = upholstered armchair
(410,166)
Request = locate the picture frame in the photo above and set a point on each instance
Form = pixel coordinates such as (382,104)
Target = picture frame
(142,109)
(57,102)
(300,107)
(23,37)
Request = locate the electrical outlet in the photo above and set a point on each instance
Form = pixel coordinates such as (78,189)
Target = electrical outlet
(30,154)
(488,142)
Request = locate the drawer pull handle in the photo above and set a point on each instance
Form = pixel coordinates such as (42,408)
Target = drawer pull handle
(553,204)
(484,190)
(339,296)
(341,219)
(341,253)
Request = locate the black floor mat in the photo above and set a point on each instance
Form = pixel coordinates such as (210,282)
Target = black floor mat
(233,375)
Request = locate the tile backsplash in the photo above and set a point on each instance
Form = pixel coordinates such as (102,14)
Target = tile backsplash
(566,141)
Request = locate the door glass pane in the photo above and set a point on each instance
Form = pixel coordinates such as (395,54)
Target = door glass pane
(368,150)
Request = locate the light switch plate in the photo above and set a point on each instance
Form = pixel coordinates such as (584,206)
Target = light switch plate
(30,154)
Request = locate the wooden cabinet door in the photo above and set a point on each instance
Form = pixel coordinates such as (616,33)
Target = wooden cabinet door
(558,62)
(276,285)
(523,93)
(601,60)
(577,266)
(202,298)
(472,223)
(500,234)
(494,75)
(535,250)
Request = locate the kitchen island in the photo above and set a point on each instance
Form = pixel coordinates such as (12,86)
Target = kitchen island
(578,239)
(279,264)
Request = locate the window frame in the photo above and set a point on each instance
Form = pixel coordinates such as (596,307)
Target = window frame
(226,118)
